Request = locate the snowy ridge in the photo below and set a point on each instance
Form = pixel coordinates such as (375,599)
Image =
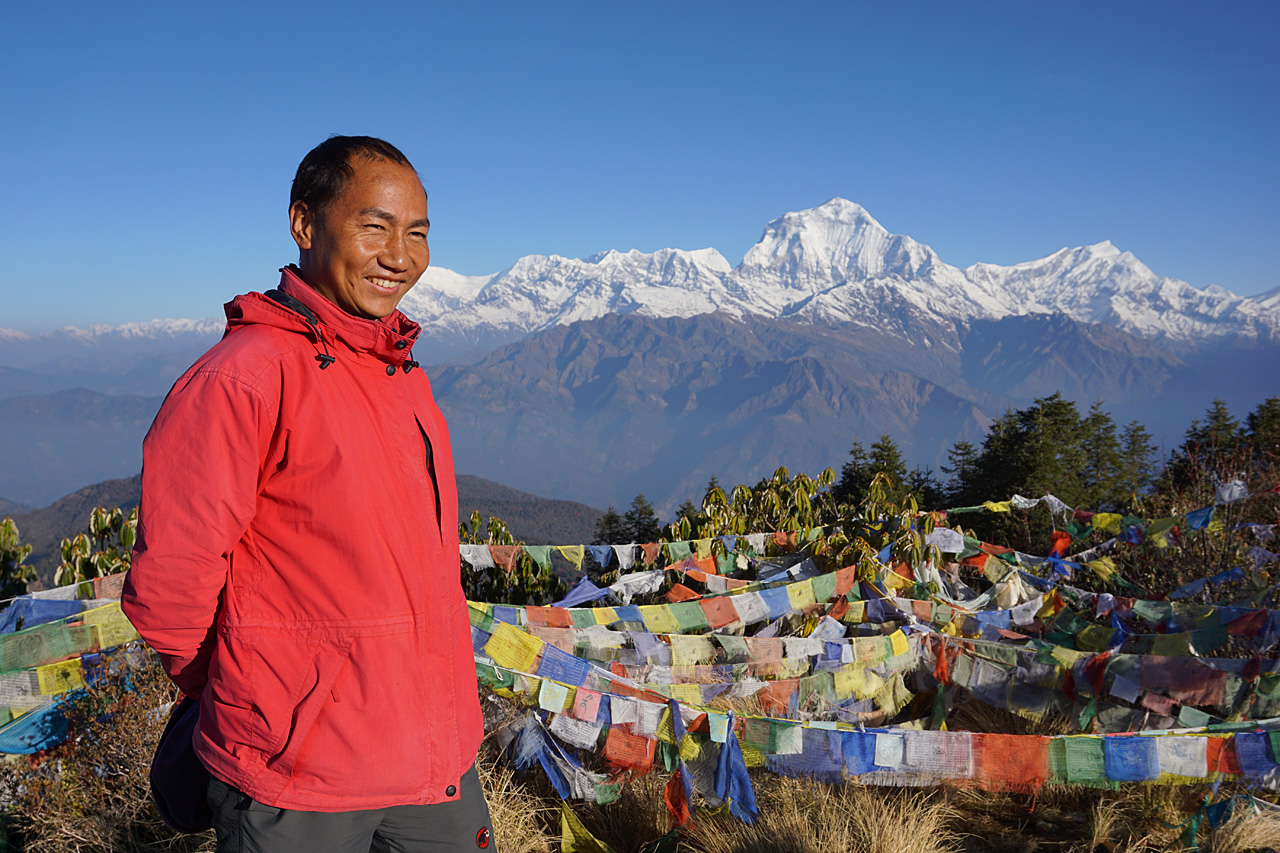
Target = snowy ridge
(834,263)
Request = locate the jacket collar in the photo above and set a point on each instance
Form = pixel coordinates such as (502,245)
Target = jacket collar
(376,337)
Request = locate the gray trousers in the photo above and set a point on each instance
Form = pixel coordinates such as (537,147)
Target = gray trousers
(244,825)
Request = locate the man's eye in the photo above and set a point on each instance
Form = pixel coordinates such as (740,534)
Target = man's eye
(377,225)
(421,235)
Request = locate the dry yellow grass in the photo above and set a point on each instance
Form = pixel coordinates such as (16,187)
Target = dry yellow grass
(1248,830)
(798,816)
(520,817)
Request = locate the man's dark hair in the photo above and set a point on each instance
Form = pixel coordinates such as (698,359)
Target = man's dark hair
(324,172)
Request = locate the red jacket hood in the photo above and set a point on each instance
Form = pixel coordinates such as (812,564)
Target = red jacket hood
(390,339)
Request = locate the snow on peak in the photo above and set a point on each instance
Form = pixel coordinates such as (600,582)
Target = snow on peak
(834,263)
(838,239)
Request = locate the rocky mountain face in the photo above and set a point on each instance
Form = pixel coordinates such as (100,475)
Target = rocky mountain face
(606,408)
(600,377)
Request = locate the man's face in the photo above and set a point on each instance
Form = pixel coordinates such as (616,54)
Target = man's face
(370,245)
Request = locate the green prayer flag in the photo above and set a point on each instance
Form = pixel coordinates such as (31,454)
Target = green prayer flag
(541,554)
(690,615)
(679,551)
(824,586)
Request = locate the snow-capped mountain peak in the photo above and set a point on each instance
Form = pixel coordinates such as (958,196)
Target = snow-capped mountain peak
(839,240)
(832,263)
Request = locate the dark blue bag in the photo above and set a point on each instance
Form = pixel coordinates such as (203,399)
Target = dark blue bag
(179,782)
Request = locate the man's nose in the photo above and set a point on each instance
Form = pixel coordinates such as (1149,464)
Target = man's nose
(395,252)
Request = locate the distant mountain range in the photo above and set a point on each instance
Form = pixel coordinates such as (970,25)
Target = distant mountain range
(601,377)
(531,519)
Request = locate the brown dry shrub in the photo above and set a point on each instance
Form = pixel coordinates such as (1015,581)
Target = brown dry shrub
(92,793)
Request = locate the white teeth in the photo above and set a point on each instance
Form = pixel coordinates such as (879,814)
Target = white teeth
(385,283)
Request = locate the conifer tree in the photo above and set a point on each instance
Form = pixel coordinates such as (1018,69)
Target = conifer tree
(642,521)
(1262,427)
(925,486)
(855,475)
(886,458)
(961,469)
(1137,460)
(611,529)
(1102,485)
(1208,450)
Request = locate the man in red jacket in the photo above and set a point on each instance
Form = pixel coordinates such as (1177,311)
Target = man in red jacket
(296,565)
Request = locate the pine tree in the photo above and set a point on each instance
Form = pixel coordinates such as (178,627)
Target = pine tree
(886,458)
(1208,450)
(642,521)
(611,529)
(1103,475)
(1051,452)
(1263,431)
(961,468)
(925,486)
(687,511)
(1137,460)
(855,475)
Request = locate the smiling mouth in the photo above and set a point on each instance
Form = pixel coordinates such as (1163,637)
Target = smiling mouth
(387,284)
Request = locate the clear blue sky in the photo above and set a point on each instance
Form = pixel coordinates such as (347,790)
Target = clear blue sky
(148,150)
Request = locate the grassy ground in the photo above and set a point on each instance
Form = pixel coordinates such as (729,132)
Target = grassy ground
(91,795)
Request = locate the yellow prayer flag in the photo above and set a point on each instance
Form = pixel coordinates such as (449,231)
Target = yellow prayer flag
(512,648)
(858,682)
(690,748)
(572,553)
(752,756)
(898,644)
(893,580)
(60,677)
(870,650)
(666,727)
(659,619)
(1157,529)
(1172,645)
(801,594)
(1107,522)
(687,694)
(702,548)
(1103,567)
(996,506)
(1067,657)
(844,682)
(605,615)
(110,626)
(688,651)
(574,837)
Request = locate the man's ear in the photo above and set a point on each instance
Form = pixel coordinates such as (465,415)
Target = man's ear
(301,224)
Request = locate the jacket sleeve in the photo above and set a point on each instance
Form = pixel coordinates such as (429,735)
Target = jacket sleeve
(200,470)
